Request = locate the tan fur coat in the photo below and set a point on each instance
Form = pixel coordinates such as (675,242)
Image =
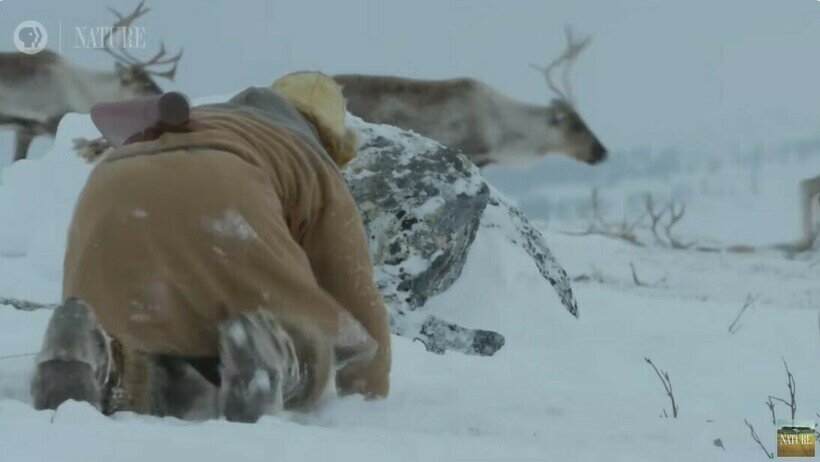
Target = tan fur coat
(170,237)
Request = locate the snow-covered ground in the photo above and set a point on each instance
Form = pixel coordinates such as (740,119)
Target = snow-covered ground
(561,389)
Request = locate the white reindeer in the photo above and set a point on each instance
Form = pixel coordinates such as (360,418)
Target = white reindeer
(486,125)
(36,91)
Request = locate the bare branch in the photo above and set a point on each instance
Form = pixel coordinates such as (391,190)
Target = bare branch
(757,440)
(635,276)
(792,402)
(660,223)
(667,385)
(674,218)
(599,226)
(654,217)
(734,327)
(675,212)
(770,405)
(792,389)
(638,282)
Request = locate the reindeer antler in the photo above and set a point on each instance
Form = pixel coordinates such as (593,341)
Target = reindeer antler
(124,57)
(575,45)
(123,21)
(160,59)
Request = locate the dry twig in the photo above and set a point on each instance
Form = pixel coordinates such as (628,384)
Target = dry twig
(638,282)
(661,223)
(635,278)
(770,405)
(675,212)
(734,326)
(791,403)
(667,385)
(757,440)
(599,226)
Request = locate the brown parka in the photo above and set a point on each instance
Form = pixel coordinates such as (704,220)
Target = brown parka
(245,211)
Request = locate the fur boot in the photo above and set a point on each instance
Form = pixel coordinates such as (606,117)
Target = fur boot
(259,367)
(75,360)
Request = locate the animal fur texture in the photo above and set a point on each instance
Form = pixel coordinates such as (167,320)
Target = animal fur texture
(422,204)
(486,125)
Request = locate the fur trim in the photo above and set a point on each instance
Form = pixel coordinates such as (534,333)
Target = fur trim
(319,98)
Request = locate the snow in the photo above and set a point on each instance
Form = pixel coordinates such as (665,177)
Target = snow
(231,224)
(560,389)
(139,213)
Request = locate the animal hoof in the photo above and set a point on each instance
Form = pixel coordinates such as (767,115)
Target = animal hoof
(487,342)
(57,381)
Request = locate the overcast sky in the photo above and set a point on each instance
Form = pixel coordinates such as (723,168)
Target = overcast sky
(659,72)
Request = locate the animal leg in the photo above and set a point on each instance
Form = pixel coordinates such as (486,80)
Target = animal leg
(22,141)
(178,389)
(809,190)
(439,336)
(74,360)
(533,242)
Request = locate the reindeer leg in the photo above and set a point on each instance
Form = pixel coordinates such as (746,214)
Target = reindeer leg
(439,336)
(177,388)
(533,242)
(22,141)
(74,361)
(809,190)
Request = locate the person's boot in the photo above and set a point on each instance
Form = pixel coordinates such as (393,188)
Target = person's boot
(74,360)
(258,368)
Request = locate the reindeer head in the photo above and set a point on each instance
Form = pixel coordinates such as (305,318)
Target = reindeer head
(566,131)
(137,76)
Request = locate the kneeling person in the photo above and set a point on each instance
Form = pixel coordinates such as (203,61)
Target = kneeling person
(233,249)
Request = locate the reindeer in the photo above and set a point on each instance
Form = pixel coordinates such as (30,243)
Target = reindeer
(36,91)
(486,125)
(809,194)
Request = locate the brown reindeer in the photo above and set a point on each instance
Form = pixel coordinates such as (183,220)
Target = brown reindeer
(36,91)
(486,125)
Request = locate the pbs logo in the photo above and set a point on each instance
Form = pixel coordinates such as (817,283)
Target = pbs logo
(30,37)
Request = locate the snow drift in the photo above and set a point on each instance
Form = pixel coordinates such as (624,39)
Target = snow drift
(560,389)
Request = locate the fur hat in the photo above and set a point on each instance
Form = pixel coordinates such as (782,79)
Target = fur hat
(319,98)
